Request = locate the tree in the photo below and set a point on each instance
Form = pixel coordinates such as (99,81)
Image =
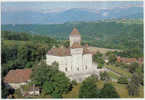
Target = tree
(89,89)
(5,90)
(112,59)
(104,76)
(133,85)
(123,80)
(41,73)
(98,59)
(133,67)
(100,65)
(108,53)
(66,44)
(108,91)
(140,74)
(73,82)
(51,80)
(18,53)
(98,54)
(59,85)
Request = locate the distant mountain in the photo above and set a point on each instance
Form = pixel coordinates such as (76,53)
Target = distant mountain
(70,15)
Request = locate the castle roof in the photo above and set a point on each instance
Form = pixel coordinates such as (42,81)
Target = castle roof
(75,32)
(66,51)
(59,52)
(76,45)
(18,76)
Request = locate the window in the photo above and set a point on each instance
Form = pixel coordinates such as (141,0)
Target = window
(66,69)
(86,67)
(78,69)
(80,79)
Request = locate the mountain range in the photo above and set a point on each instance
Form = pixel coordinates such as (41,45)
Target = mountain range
(70,15)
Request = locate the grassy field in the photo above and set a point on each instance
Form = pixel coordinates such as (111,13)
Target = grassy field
(101,50)
(74,93)
(112,75)
(119,70)
(123,92)
(131,21)
(120,88)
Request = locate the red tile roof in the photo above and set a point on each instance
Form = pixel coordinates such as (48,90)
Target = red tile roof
(126,60)
(66,51)
(18,76)
(59,52)
(75,32)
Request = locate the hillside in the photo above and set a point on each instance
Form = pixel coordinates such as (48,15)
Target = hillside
(24,50)
(116,34)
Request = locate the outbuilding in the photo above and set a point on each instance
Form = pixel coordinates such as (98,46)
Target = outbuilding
(15,78)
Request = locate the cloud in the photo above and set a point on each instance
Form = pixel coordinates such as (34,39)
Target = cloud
(47,7)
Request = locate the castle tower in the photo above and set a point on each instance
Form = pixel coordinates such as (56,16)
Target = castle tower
(75,37)
(76,51)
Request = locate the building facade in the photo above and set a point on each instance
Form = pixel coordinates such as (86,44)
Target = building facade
(75,61)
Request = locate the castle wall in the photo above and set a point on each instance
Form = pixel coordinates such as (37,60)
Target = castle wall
(63,61)
(71,65)
(87,63)
(77,51)
(77,63)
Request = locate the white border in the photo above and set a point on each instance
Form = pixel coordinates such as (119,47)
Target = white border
(69,1)
(63,0)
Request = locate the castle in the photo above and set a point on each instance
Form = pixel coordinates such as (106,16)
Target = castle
(75,61)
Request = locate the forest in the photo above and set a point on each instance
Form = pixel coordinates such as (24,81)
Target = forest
(116,34)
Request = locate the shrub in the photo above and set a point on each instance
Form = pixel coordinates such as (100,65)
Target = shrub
(73,82)
(123,80)
(104,76)
(108,91)
(89,89)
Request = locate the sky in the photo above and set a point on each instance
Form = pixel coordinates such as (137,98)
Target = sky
(61,6)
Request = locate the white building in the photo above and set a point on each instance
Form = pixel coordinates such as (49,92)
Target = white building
(75,61)
(16,78)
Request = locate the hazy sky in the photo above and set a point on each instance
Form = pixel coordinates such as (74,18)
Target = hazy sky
(60,6)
